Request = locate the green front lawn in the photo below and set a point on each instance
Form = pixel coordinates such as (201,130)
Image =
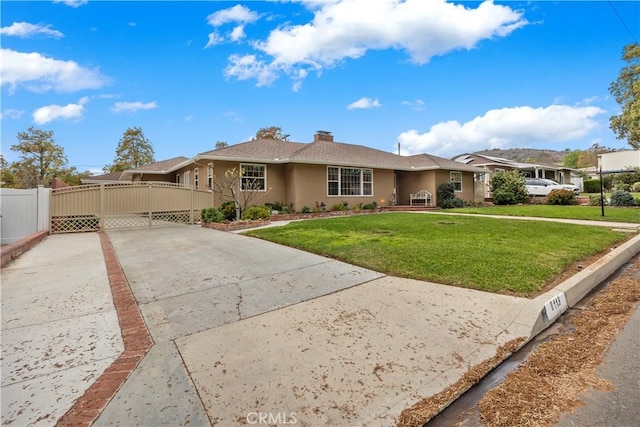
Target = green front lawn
(594,213)
(495,255)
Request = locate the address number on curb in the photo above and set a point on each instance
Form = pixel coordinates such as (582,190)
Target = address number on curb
(556,306)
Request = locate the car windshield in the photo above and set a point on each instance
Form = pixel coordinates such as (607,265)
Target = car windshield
(550,182)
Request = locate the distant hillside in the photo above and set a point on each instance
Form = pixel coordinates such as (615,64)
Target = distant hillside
(528,155)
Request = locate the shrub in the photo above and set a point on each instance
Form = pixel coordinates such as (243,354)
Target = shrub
(636,187)
(211,215)
(508,187)
(305,209)
(256,212)
(592,186)
(623,187)
(597,201)
(504,197)
(337,207)
(369,206)
(228,209)
(561,197)
(447,196)
(320,207)
(622,198)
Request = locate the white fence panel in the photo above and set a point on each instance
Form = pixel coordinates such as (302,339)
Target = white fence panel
(23,212)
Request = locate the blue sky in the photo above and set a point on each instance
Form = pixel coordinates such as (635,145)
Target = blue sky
(439,77)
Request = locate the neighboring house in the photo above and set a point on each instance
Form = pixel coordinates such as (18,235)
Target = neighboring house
(492,164)
(157,172)
(619,161)
(323,171)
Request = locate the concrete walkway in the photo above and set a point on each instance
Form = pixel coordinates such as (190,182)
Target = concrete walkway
(245,329)
(59,328)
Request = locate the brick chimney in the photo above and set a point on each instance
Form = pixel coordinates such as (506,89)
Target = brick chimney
(323,135)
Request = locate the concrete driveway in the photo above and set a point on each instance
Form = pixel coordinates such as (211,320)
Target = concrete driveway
(244,327)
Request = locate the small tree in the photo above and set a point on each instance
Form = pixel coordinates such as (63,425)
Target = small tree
(221,144)
(508,188)
(133,150)
(234,185)
(7,179)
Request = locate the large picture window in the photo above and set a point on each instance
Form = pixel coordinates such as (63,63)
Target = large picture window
(349,181)
(254,177)
(456,178)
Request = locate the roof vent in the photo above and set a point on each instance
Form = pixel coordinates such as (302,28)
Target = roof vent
(323,135)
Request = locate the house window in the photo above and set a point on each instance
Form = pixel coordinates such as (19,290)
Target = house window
(349,181)
(187,179)
(210,176)
(456,178)
(177,178)
(196,177)
(254,177)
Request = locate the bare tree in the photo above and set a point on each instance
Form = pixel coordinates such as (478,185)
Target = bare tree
(243,190)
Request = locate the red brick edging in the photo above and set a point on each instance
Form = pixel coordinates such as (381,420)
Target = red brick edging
(14,250)
(137,342)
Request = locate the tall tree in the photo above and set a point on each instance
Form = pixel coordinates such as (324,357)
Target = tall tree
(40,160)
(6,176)
(626,91)
(271,132)
(221,144)
(570,159)
(133,150)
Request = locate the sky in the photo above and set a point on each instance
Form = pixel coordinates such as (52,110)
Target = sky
(432,76)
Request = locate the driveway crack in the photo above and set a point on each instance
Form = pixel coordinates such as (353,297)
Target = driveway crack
(239,302)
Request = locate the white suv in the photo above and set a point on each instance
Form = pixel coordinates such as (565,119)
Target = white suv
(542,187)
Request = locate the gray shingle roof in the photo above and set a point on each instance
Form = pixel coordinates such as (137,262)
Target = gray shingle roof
(334,153)
(159,167)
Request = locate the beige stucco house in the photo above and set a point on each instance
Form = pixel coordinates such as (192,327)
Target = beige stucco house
(322,171)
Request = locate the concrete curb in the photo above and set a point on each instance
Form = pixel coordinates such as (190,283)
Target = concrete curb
(15,249)
(570,292)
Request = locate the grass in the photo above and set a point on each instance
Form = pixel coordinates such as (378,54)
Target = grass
(489,254)
(594,213)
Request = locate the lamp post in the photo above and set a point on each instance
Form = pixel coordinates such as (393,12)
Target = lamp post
(601,191)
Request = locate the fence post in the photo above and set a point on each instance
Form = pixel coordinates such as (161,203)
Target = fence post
(191,210)
(42,207)
(149,205)
(102,202)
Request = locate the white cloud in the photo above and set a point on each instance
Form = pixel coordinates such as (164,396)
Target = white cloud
(237,13)
(72,3)
(364,103)
(503,128)
(40,74)
(214,39)
(347,29)
(58,112)
(237,33)
(11,113)
(25,30)
(249,67)
(417,105)
(132,107)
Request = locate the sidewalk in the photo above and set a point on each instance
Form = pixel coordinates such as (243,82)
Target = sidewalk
(59,328)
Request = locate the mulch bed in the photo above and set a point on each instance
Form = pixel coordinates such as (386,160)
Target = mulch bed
(554,376)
